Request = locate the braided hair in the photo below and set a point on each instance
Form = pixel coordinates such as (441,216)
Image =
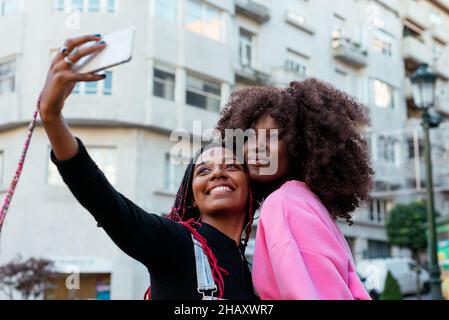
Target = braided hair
(185,213)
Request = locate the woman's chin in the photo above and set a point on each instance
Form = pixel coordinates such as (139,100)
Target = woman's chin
(220,206)
(256,175)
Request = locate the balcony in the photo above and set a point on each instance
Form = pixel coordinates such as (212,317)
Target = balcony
(416,51)
(251,73)
(252,10)
(298,21)
(283,76)
(417,13)
(350,52)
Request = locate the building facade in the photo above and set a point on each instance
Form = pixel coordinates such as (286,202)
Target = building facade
(189,56)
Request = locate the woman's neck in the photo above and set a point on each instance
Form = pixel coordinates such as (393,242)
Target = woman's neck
(231,226)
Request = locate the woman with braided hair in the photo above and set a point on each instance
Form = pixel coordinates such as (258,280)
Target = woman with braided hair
(195,253)
(323,173)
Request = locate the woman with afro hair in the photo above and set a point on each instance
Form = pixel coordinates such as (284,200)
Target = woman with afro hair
(323,174)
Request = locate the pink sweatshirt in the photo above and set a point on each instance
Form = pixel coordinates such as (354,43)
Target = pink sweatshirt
(300,252)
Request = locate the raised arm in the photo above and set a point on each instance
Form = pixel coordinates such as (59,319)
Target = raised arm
(141,235)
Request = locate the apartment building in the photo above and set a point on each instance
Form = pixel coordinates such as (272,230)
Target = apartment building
(189,56)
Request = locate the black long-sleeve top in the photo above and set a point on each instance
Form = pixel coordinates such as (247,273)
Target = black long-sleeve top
(162,245)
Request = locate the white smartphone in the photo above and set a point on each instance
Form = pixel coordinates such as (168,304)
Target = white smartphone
(119,50)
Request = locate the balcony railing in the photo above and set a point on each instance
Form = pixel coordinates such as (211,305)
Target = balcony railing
(350,52)
(252,10)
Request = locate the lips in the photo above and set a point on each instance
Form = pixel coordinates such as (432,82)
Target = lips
(220,188)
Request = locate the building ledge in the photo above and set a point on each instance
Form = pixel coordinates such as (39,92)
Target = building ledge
(252,10)
(298,22)
(350,53)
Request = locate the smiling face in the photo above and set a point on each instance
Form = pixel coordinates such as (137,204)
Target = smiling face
(261,156)
(220,185)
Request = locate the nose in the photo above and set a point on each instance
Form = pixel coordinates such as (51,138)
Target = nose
(218,172)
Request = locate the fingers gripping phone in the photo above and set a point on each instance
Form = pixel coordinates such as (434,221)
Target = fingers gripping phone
(119,50)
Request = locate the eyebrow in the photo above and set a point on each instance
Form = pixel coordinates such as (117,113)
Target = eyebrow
(234,159)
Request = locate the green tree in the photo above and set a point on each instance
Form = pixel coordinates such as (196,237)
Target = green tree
(406,229)
(392,291)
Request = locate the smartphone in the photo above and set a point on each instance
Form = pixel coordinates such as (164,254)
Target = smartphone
(119,50)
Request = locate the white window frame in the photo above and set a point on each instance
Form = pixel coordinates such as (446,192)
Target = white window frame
(386,40)
(243,48)
(161,81)
(52,171)
(203,93)
(173,177)
(81,87)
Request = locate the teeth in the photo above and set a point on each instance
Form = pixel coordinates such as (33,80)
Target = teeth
(220,189)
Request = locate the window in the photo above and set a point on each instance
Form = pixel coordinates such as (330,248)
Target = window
(166,10)
(107,85)
(111,6)
(383,43)
(174,172)
(104,157)
(383,95)
(60,5)
(387,149)
(7,77)
(96,88)
(377,249)
(1,169)
(78,5)
(164,84)
(204,19)
(296,62)
(246,48)
(93,6)
(379,208)
(9,7)
(203,94)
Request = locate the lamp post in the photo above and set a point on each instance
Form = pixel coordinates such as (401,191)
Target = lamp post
(423,85)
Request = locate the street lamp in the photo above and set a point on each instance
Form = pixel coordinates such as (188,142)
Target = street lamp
(423,86)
